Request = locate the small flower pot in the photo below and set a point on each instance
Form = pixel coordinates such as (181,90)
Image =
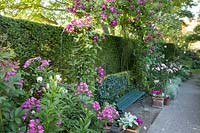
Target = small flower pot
(128,130)
(107,126)
(167,100)
(131,131)
(157,102)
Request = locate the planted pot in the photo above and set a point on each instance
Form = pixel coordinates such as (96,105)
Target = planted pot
(157,102)
(129,130)
(167,100)
(132,131)
(107,126)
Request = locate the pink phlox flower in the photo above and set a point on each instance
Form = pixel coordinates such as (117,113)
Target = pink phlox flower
(35,126)
(29,61)
(108,113)
(43,64)
(30,103)
(9,74)
(89,93)
(96,106)
(83,88)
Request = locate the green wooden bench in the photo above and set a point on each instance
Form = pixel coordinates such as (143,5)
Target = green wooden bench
(117,90)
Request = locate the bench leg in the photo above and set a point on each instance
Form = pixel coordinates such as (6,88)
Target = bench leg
(141,100)
(121,113)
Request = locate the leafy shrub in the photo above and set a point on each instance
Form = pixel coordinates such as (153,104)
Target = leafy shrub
(11,93)
(172,87)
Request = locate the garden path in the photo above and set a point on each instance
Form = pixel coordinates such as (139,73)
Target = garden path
(183,114)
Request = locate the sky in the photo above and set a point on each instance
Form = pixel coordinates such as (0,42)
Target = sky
(195,9)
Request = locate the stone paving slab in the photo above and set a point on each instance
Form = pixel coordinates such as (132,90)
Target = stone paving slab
(183,114)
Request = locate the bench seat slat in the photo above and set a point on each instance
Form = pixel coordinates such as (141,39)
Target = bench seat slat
(128,99)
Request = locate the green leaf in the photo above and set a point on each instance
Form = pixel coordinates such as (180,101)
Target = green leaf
(17,112)
(18,121)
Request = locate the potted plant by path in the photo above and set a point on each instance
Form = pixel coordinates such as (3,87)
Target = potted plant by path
(167,100)
(130,123)
(157,98)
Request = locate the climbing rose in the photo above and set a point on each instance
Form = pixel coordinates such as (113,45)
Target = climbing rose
(111,1)
(103,5)
(112,8)
(69,28)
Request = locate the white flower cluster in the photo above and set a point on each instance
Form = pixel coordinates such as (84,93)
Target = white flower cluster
(170,68)
(173,67)
(159,67)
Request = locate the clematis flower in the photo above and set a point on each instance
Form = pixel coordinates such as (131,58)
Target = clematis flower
(113,23)
(103,16)
(103,6)
(112,8)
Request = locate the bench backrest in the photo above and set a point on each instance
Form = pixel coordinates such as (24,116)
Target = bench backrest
(112,88)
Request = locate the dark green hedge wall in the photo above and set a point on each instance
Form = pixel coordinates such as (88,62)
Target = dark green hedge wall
(29,39)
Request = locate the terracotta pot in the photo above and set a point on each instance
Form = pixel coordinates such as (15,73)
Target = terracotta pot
(157,102)
(132,131)
(128,130)
(167,101)
(107,126)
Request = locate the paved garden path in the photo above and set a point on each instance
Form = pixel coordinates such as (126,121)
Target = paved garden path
(183,114)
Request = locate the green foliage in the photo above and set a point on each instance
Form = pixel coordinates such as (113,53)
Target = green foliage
(44,40)
(72,110)
(50,106)
(193,38)
(110,54)
(186,13)
(172,88)
(10,95)
(170,51)
(197,29)
(32,39)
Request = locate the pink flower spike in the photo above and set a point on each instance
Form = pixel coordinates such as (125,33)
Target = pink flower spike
(96,106)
